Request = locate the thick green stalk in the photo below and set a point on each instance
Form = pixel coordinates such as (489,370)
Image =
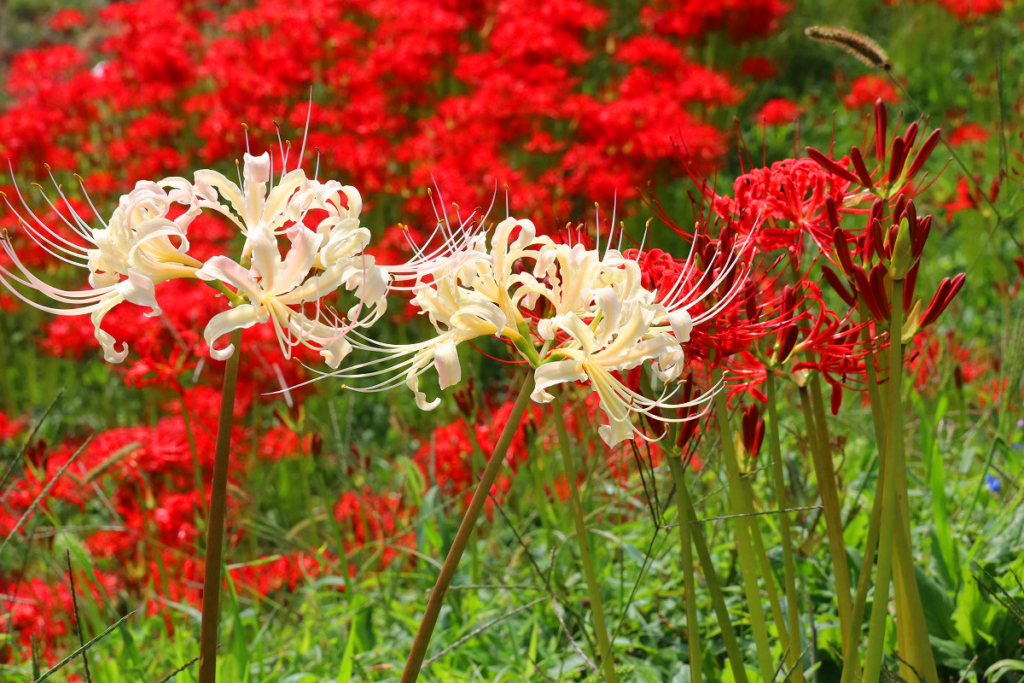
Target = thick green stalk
(851,655)
(216,520)
(793,658)
(586,559)
(890,513)
(748,564)
(732,647)
(689,580)
(826,476)
(419,646)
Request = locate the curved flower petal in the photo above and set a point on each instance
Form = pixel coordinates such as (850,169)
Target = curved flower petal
(110,353)
(238,318)
(139,290)
(446,361)
(682,325)
(225,270)
(555,372)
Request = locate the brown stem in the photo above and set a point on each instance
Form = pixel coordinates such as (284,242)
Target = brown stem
(419,646)
(215,520)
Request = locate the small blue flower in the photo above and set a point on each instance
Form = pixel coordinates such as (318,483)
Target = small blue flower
(993,484)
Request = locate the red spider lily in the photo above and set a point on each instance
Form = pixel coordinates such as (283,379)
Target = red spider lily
(969,197)
(899,162)
(871,282)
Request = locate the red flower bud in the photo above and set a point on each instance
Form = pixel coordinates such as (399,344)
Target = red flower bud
(919,236)
(830,165)
(911,134)
(753,430)
(837,285)
(862,170)
(877,239)
(877,279)
(880,129)
(926,150)
(831,213)
(842,250)
(786,341)
(900,207)
(860,278)
(836,398)
(899,158)
(944,296)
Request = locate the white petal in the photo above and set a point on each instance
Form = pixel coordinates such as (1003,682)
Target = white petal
(139,290)
(106,340)
(266,257)
(446,361)
(256,169)
(413,382)
(616,431)
(682,325)
(555,372)
(238,318)
(225,270)
(336,351)
(299,260)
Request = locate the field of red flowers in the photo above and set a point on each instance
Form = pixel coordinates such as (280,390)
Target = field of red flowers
(577,363)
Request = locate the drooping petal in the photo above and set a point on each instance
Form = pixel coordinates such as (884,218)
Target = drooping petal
(225,270)
(141,291)
(554,373)
(446,361)
(238,318)
(682,325)
(110,352)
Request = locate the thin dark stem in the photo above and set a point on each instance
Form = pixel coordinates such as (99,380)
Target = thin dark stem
(215,520)
(78,617)
(419,646)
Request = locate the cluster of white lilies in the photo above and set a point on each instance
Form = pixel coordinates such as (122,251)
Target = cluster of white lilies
(575,314)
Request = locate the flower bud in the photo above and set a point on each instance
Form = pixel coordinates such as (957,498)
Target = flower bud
(926,150)
(837,285)
(831,166)
(881,126)
(862,169)
(902,254)
(897,161)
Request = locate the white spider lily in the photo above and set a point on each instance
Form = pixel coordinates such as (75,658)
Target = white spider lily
(620,338)
(139,248)
(463,289)
(278,290)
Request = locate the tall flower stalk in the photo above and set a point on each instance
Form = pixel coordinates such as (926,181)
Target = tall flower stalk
(793,655)
(583,544)
(740,510)
(216,519)
(414,662)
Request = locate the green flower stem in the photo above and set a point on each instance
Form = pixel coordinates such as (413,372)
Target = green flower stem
(688,514)
(216,520)
(890,513)
(587,560)
(689,578)
(793,655)
(851,655)
(826,476)
(912,634)
(419,646)
(739,507)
